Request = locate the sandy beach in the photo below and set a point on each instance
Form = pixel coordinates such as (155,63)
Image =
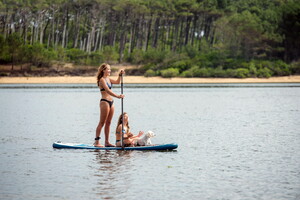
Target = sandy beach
(142,79)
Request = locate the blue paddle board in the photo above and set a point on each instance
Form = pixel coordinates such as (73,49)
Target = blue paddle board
(61,145)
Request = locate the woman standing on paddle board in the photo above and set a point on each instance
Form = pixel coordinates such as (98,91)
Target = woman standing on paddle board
(106,103)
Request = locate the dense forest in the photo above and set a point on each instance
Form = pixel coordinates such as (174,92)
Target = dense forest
(188,38)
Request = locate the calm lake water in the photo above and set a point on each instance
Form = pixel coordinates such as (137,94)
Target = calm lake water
(236,141)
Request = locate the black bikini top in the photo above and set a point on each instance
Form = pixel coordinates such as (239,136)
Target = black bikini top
(109,86)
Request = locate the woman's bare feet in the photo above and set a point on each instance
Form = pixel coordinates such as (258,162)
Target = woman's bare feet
(97,144)
(109,145)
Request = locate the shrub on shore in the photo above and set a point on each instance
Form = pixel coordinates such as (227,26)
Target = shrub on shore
(170,72)
(150,73)
(223,68)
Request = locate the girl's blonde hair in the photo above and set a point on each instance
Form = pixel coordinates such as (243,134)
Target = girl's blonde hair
(100,73)
(120,122)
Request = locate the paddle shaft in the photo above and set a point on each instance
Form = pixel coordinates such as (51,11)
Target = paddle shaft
(122,111)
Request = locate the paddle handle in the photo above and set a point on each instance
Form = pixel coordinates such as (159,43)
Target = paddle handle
(122,106)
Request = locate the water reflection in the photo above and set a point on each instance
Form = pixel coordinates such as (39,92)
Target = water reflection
(113,172)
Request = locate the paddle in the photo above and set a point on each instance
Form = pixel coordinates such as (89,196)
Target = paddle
(122,111)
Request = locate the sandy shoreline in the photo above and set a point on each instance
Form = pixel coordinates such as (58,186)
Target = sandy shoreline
(141,79)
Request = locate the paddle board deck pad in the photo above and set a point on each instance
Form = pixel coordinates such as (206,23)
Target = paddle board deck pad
(61,145)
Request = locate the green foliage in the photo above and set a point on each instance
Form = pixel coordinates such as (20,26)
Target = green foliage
(192,72)
(279,68)
(96,58)
(176,59)
(80,57)
(191,51)
(150,73)
(169,73)
(295,67)
(195,71)
(204,72)
(264,73)
(182,65)
(110,54)
(289,27)
(187,74)
(213,63)
(40,56)
(3,50)
(14,41)
(76,56)
(218,72)
(231,73)
(211,59)
(2,42)
(36,52)
(136,57)
(153,56)
(252,69)
(242,73)
(188,38)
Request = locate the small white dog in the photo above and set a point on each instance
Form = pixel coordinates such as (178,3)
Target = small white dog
(146,141)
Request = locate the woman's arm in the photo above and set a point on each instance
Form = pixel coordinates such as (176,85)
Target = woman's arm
(119,77)
(109,91)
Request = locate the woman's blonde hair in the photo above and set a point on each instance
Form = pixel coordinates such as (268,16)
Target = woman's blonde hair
(120,122)
(100,73)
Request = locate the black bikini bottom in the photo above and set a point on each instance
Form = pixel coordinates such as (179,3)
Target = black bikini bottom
(109,102)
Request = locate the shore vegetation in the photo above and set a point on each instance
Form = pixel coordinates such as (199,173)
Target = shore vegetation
(167,38)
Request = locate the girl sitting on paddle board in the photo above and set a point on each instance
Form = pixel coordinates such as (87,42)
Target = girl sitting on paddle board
(128,139)
(106,103)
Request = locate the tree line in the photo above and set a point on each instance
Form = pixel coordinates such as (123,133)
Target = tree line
(190,38)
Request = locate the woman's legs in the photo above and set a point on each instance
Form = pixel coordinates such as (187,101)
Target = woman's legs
(107,126)
(104,111)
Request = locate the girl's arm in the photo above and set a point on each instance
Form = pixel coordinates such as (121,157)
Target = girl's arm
(109,91)
(119,77)
(140,133)
(119,132)
(137,136)
(128,135)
